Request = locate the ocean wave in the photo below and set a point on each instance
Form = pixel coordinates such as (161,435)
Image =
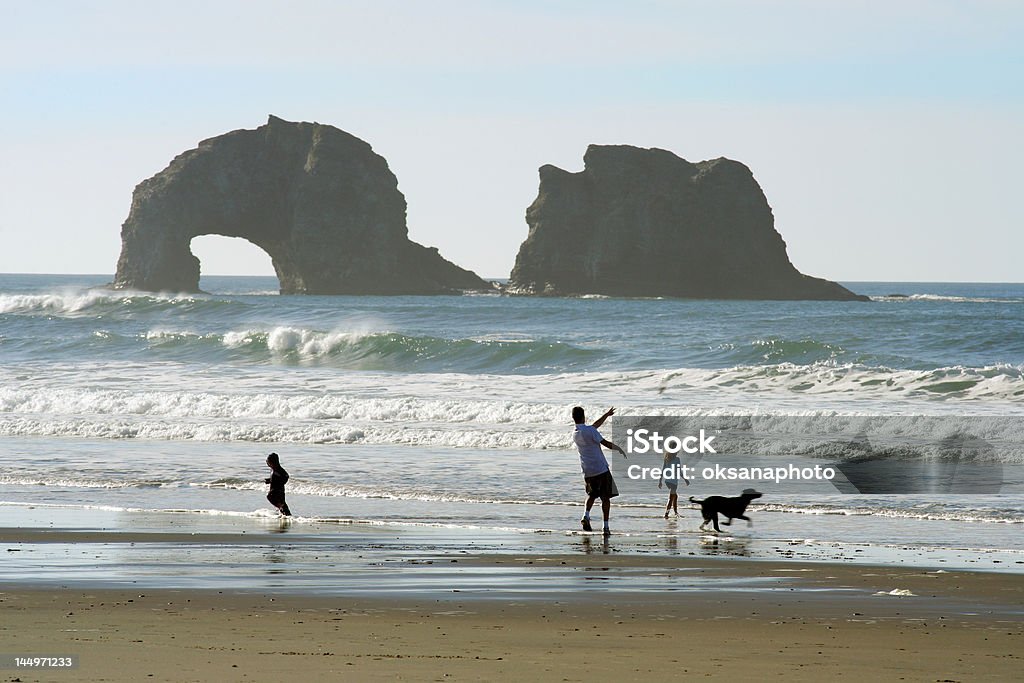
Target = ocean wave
(273,515)
(338,490)
(316,433)
(479,402)
(899,298)
(875,443)
(932,512)
(49,304)
(350,350)
(95,302)
(998,382)
(480,410)
(775,350)
(396,351)
(259,513)
(78,481)
(267,406)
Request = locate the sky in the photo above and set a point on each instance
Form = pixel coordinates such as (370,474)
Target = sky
(888,135)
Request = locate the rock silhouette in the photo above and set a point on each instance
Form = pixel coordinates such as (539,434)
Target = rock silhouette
(319,201)
(644,222)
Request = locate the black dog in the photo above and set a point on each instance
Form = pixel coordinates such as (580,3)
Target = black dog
(733,508)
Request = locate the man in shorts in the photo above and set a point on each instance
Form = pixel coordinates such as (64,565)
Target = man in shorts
(596,473)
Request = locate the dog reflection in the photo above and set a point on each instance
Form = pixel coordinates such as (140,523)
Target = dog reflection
(733,547)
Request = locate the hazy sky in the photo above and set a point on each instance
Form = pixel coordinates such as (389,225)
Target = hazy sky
(887,135)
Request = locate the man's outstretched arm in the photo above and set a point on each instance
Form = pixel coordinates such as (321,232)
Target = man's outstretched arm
(608,444)
(600,421)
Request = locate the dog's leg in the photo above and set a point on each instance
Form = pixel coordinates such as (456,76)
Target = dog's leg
(727,523)
(749,521)
(715,518)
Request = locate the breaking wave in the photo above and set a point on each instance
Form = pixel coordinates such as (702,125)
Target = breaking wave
(95,302)
(395,351)
(999,382)
(897,298)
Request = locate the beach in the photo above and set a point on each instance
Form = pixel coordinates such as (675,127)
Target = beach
(243,601)
(820,621)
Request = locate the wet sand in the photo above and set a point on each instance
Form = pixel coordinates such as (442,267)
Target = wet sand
(145,599)
(739,619)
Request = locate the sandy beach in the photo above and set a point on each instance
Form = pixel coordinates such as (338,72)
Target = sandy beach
(819,621)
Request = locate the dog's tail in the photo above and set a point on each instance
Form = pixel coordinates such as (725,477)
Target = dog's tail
(694,500)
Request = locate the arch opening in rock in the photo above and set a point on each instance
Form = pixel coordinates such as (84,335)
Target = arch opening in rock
(229,256)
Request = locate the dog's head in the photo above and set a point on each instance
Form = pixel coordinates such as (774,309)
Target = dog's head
(751,494)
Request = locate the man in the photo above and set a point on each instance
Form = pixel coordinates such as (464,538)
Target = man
(596,473)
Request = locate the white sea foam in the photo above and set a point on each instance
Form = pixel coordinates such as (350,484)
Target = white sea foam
(293,340)
(530,436)
(999,382)
(448,409)
(69,302)
(76,302)
(403,492)
(399,435)
(260,513)
(951,299)
(974,516)
(186,404)
(65,481)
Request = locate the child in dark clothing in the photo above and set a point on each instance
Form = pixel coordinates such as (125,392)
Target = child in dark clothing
(277,480)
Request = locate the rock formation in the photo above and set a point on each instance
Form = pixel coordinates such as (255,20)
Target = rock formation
(644,222)
(319,201)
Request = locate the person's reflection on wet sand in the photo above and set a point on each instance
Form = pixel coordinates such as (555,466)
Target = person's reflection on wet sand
(589,547)
(671,543)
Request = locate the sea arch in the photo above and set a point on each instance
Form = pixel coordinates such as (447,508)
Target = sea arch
(320,202)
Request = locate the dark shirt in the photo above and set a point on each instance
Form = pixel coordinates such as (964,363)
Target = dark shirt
(277,480)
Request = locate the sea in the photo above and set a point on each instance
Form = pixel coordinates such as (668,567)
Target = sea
(452,413)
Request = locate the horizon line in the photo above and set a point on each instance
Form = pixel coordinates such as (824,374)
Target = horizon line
(489,279)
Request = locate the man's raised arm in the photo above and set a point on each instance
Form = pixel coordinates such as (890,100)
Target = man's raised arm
(600,421)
